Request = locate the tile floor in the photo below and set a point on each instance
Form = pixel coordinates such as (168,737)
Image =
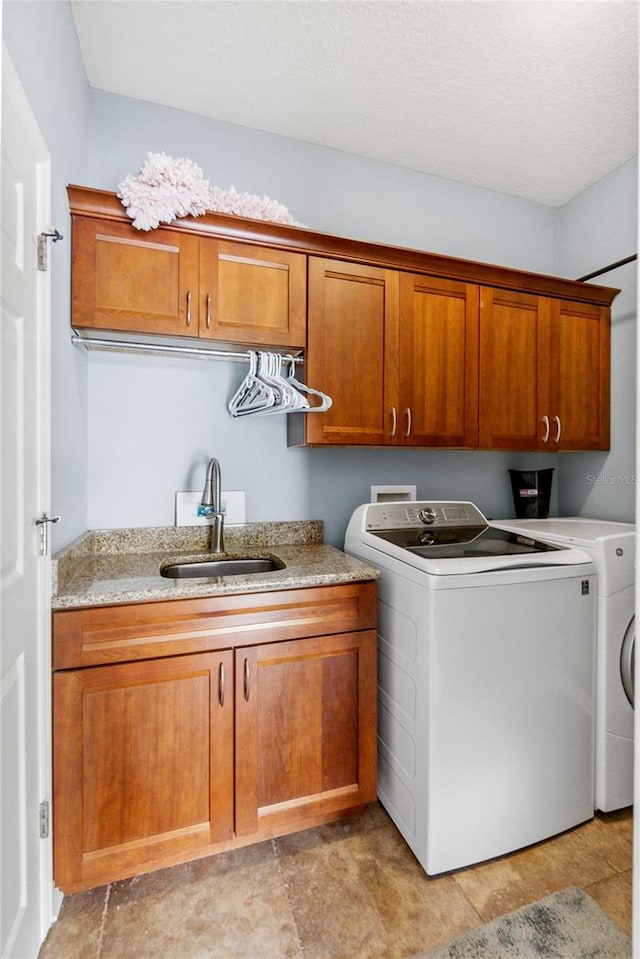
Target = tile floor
(349,890)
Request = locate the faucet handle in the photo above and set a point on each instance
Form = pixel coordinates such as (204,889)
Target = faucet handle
(207,510)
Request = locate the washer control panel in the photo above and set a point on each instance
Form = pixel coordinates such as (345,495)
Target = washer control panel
(417,515)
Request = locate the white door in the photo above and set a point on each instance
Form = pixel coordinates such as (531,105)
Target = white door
(25,858)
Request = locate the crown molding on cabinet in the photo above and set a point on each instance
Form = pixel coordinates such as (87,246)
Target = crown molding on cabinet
(91,202)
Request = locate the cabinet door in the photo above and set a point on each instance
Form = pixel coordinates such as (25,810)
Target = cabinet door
(143,766)
(252,294)
(130,280)
(352,352)
(514,370)
(438,358)
(305,731)
(579,376)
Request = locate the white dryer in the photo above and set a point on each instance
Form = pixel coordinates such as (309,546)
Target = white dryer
(612,547)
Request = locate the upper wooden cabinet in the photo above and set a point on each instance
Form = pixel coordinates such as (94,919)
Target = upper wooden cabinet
(437,362)
(579,376)
(514,373)
(352,326)
(397,352)
(252,295)
(167,282)
(413,360)
(131,281)
(415,349)
(544,373)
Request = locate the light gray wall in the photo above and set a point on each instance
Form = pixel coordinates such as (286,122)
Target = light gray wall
(129,431)
(154,422)
(327,190)
(329,483)
(43,46)
(598,228)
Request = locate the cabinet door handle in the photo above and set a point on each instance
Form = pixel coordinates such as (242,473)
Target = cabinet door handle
(247,680)
(556,420)
(394,421)
(221,684)
(545,423)
(189,308)
(407,413)
(208,311)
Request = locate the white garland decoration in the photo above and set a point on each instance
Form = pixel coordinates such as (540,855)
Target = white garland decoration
(166,188)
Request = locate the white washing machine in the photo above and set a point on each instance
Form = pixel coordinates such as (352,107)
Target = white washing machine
(612,548)
(486,680)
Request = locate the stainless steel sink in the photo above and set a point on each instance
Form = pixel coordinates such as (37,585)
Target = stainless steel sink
(221,567)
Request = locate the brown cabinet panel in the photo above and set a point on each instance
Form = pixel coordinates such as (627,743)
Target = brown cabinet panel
(128,280)
(438,362)
(172,282)
(544,373)
(352,314)
(169,759)
(413,360)
(513,377)
(394,335)
(108,634)
(143,760)
(579,389)
(305,730)
(252,295)
(398,354)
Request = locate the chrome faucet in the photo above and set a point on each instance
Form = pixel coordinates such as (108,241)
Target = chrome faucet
(211,505)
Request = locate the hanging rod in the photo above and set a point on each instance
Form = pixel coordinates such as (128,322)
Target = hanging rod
(127,346)
(608,269)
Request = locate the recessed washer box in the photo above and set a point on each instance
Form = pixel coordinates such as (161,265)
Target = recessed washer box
(233,507)
(392,494)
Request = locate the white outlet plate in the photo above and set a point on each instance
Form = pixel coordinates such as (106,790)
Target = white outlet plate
(187,508)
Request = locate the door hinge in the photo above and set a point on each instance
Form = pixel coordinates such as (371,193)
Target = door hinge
(43,525)
(43,253)
(43,816)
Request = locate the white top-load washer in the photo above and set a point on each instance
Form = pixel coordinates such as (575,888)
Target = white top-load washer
(486,680)
(611,545)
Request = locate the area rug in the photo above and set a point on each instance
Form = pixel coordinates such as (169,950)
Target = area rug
(566,925)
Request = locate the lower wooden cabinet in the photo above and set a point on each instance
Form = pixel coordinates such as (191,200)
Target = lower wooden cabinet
(164,760)
(305,712)
(143,766)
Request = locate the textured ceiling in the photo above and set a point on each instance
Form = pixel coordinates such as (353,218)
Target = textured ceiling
(536,99)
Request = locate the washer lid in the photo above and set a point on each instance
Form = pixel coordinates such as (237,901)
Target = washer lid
(452,538)
(465,542)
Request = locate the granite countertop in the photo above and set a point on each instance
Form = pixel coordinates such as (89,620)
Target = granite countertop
(105,567)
